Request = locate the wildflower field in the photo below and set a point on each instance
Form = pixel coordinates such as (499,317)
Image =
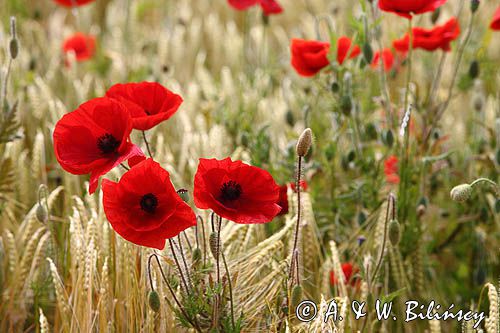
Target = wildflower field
(249,166)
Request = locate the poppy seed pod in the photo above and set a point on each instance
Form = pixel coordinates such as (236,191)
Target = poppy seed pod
(394,232)
(154,301)
(304,143)
(461,193)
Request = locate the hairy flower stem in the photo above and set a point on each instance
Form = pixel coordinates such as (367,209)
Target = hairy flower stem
(204,238)
(147,144)
(295,256)
(382,75)
(183,257)
(230,285)
(445,104)
(405,147)
(181,308)
(179,267)
(5,84)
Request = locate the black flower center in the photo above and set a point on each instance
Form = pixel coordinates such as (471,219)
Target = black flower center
(107,143)
(230,191)
(149,203)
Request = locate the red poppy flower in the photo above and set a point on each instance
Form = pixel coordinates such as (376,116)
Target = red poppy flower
(269,7)
(73,3)
(345,48)
(391,170)
(149,103)
(303,185)
(94,139)
(387,58)
(144,208)
(236,191)
(309,56)
(82,45)
(349,271)
(495,23)
(406,8)
(283,200)
(438,37)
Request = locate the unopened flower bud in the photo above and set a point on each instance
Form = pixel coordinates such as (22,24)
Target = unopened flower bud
(394,232)
(435,15)
(196,256)
(214,244)
(461,192)
(474,5)
(154,301)
(474,69)
(184,194)
(367,52)
(296,295)
(346,104)
(41,213)
(304,143)
(14,43)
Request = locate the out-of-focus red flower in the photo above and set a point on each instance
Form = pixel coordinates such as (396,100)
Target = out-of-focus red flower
(283,200)
(73,3)
(82,45)
(349,271)
(149,103)
(406,8)
(495,22)
(391,170)
(309,56)
(236,191)
(345,48)
(438,37)
(94,139)
(269,7)
(303,185)
(387,58)
(144,208)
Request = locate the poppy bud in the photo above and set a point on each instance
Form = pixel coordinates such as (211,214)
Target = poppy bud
(474,69)
(13,48)
(196,256)
(335,87)
(461,193)
(474,5)
(290,119)
(304,143)
(184,194)
(214,244)
(388,138)
(435,15)
(368,52)
(371,131)
(41,213)
(394,232)
(296,295)
(346,104)
(351,156)
(13,44)
(154,301)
